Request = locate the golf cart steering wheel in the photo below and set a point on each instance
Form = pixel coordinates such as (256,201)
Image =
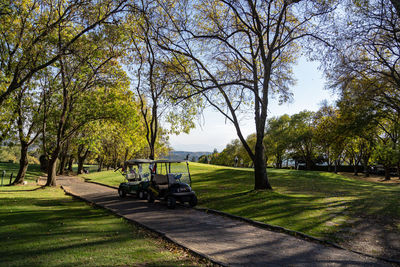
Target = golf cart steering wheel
(178,177)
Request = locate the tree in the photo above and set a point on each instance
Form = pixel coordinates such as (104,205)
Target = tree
(7,119)
(368,51)
(28,29)
(155,79)
(369,125)
(301,134)
(239,53)
(29,108)
(329,134)
(89,83)
(276,138)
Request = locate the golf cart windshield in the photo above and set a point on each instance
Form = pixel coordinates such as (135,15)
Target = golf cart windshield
(176,171)
(137,170)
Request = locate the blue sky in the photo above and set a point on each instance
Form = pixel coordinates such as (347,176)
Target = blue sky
(213,132)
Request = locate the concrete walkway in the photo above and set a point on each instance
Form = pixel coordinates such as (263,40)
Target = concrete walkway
(226,241)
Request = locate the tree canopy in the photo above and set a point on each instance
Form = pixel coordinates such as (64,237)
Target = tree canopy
(109,80)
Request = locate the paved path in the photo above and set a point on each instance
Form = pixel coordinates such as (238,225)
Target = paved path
(224,240)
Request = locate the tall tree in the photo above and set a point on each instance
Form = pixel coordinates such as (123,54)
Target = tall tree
(277,138)
(29,109)
(240,53)
(7,119)
(155,79)
(302,139)
(368,51)
(28,29)
(329,135)
(89,80)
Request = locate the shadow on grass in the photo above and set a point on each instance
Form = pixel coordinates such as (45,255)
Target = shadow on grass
(51,231)
(21,190)
(317,203)
(32,173)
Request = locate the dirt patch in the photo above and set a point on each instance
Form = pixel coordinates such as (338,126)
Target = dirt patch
(373,237)
(372,178)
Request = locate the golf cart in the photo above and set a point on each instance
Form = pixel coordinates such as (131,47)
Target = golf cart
(137,176)
(171,181)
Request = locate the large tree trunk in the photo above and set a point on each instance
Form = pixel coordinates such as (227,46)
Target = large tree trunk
(366,169)
(151,156)
(336,165)
(100,164)
(80,165)
(309,163)
(70,162)
(23,164)
(387,173)
(260,168)
(63,160)
(355,169)
(126,154)
(51,172)
(81,159)
(329,161)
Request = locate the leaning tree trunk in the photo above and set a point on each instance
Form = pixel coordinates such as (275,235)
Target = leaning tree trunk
(23,164)
(260,168)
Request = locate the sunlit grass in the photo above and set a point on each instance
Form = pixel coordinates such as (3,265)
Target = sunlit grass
(12,168)
(113,178)
(316,203)
(44,227)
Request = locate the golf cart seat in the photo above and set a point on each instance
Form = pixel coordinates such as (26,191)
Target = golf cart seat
(161,181)
(130,175)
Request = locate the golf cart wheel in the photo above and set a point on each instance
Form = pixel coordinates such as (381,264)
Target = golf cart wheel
(142,194)
(121,193)
(193,201)
(171,202)
(150,197)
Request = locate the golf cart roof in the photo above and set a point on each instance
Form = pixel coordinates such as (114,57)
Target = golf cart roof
(168,161)
(138,161)
(144,161)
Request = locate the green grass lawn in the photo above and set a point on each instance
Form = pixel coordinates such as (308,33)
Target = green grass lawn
(44,227)
(32,173)
(316,203)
